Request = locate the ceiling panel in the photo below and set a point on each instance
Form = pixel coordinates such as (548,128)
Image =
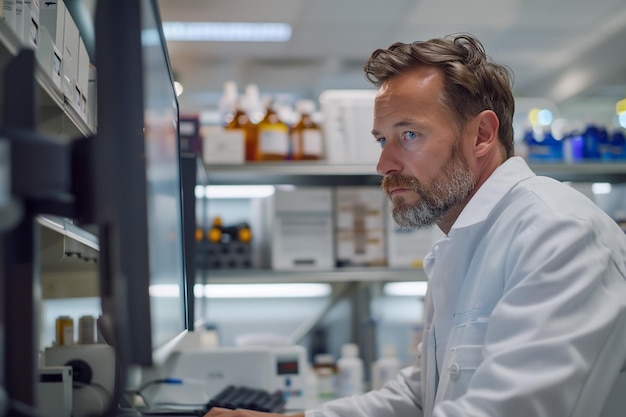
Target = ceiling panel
(561,49)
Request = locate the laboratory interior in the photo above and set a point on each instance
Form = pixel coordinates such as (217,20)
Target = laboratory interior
(190,212)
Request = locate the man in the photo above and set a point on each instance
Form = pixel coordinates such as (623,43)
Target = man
(526,307)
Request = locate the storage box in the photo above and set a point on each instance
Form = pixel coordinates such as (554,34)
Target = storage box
(406,248)
(360,226)
(82,79)
(52,17)
(19,19)
(54,391)
(8,13)
(190,139)
(347,123)
(69,68)
(302,236)
(221,146)
(49,56)
(31,25)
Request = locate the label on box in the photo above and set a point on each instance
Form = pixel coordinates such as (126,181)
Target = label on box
(221,146)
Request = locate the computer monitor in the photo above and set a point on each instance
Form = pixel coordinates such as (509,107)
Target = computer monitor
(138,186)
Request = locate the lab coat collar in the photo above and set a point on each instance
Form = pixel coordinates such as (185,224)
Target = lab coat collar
(505,177)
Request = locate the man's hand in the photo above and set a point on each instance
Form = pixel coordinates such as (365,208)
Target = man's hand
(225,412)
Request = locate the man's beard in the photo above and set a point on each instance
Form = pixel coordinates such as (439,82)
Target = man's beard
(453,185)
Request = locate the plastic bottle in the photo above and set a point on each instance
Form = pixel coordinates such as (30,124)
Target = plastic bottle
(228,102)
(273,142)
(253,104)
(591,142)
(306,135)
(386,367)
(326,371)
(349,371)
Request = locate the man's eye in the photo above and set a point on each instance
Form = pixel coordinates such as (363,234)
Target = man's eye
(408,135)
(381,142)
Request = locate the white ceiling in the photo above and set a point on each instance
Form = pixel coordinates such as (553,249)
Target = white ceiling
(562,50)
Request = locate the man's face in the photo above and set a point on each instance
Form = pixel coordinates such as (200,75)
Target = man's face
(426,174)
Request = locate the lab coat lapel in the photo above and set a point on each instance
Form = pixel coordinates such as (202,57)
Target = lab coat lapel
(428,357)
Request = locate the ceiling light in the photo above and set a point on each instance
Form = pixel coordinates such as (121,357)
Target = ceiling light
(227,31)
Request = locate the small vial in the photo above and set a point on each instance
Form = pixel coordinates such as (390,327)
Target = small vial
(306,136)
(86,330)
(350,371)
(64,331)
(326,371)
(385,368)
(273,137)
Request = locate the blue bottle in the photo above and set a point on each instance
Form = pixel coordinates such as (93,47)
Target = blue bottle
(591,142)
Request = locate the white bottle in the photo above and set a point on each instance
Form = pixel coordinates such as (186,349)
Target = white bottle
(326,371)
(385,368)
(349,371)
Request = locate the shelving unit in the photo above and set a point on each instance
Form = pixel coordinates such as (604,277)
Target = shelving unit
(323,174)
(308,173)
(37,263)
(261,276)
(56,116)
(68,259)
(58,119)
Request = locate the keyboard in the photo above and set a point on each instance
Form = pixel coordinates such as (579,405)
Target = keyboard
(233,397)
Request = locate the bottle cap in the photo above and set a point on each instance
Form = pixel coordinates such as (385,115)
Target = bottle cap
(305,106)
(350,350)
(324,359)
(389,351)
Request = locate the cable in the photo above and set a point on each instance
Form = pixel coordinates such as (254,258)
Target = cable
(169,381)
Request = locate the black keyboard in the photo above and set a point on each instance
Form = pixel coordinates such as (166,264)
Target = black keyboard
(233,397)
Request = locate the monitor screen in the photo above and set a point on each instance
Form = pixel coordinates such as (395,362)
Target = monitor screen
(137,183)
(163,175)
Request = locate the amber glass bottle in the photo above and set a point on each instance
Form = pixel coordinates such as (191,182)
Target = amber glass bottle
(306,135)
(273,137)
(241,121)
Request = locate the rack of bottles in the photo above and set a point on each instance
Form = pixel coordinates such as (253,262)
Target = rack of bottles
(593,144)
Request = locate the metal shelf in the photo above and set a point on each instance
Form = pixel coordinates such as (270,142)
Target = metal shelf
(65,227)
(613,172)
(298,173)
(266,276)
(321,174)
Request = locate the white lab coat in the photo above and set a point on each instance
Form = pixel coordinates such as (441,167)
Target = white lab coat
(525,312)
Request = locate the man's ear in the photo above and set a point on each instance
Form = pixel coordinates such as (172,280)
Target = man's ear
(487,132)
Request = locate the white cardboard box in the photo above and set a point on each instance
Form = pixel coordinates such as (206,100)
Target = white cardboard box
(49,56)
(19,18)
(82,79)
(360,226)
(220,146)
(31,25)
(52,17)
(69,68)
(8,13)
(54,391)
(302,236)
(347,123)
(407,248)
